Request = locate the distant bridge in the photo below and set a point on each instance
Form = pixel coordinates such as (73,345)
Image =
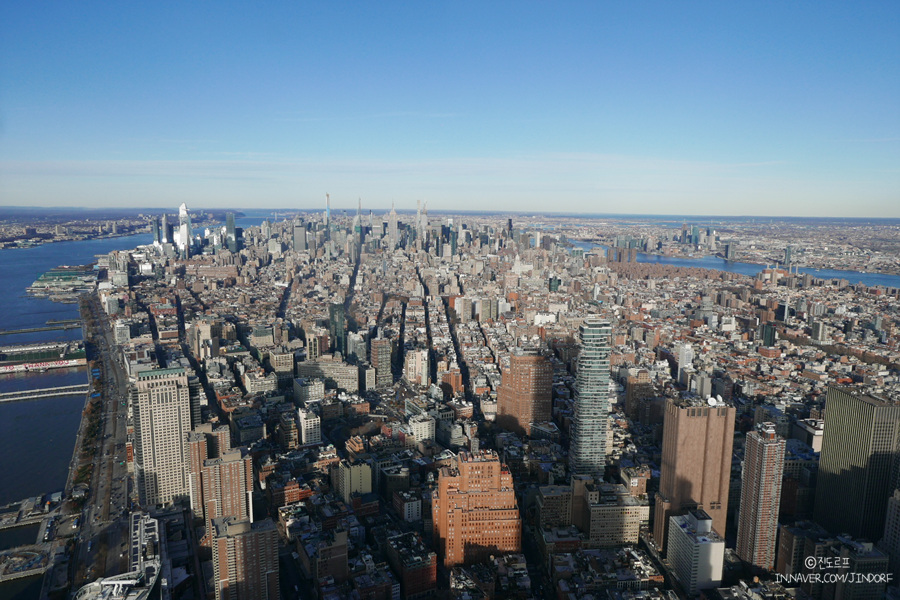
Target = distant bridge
(65,390)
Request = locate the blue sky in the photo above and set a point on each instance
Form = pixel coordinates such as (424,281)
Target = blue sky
(781,108)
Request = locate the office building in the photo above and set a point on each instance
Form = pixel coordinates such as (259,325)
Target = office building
(614,517)
(231,238)
(393,229)
(333,371)
(554,506)
(685,357)
(474,510)
(157,231)
(890,541)
(299,237)
(760,496)
(245,559)
(308,390)
(162,420)
(587,452)
(798,541)
(526,393)
(696,463)
(380,356)
(310,427)
(696,552)
(857,467)
(185,233)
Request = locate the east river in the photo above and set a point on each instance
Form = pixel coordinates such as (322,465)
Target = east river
(751,270)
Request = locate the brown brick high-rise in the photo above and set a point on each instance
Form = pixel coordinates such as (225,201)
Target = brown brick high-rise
(245,559)
(760,496)
(696,464)
(474,510)
(525,395)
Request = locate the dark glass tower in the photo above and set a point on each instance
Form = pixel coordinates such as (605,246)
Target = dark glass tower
(859,461)
(337,328)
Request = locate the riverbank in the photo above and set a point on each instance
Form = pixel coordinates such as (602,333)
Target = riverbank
(35,243)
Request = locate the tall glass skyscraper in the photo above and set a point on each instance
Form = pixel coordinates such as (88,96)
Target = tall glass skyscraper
(338,328)
(230,233)
(587,450)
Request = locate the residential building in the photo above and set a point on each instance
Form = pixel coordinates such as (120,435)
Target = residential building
(245,559)
(414,564)
(760,496)
(526,392)
(351,478)
(587,453)
(696,551)
(310,426)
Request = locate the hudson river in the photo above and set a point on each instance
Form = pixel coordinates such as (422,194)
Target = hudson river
(37,437)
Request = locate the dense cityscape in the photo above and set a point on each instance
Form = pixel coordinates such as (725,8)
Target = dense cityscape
(450,300)
(360,404)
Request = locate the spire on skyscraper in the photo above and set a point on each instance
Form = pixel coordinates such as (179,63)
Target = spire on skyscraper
(327,209)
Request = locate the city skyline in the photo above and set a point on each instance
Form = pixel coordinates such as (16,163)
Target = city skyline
(704,109)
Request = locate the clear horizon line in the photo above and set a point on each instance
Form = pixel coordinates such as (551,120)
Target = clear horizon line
(668,216)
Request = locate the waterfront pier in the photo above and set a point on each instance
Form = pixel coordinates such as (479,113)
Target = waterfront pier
(65,390)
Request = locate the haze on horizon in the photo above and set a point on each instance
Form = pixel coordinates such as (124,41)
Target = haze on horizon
(772,109)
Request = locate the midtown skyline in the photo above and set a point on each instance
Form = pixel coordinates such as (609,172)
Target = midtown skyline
(750,110)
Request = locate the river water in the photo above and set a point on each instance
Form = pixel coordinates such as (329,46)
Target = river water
(37,436)
(750,269)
